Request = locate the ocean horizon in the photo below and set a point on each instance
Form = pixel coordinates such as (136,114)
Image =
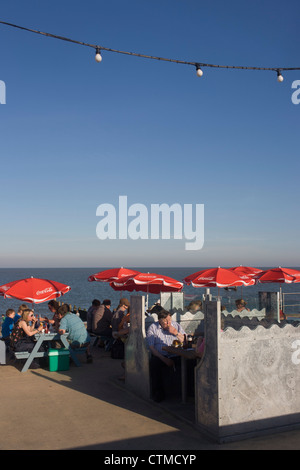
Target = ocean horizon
(83,291)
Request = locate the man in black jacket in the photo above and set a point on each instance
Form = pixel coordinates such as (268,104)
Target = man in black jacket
(102,321)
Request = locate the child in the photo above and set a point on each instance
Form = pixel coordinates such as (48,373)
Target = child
(8,324)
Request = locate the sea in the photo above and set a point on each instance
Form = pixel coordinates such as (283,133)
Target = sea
(83,291)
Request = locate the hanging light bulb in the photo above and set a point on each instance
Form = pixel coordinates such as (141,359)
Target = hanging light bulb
(279,76)
(98,56)
(199,71)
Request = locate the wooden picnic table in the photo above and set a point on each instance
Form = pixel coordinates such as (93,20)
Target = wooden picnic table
(40,338)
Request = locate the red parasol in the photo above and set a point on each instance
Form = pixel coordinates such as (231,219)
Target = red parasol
(217,277)
(147,282)
(110,275)
(245,271)
(33,290)
(150,283)
(282,275)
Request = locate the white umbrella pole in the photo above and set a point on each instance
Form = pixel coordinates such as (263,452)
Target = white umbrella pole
(280,298)
(147,298)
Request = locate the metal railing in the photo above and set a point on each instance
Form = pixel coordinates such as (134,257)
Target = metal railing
(291,309)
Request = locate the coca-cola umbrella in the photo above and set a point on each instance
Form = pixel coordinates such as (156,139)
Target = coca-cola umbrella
(33,290)
(280,275)
(109,275)
(245,272)
(151,283)
(217,277)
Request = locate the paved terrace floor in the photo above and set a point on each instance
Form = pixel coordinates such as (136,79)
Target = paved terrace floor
(89,408)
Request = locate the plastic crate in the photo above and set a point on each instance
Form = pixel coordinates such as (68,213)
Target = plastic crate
(59,359)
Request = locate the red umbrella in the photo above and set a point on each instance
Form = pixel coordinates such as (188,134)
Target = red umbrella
(217,277)
(245,271)
(147,282)
(282,275)
(33,290)
(110,275)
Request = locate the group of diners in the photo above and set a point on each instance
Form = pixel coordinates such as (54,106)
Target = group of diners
(19,329)
(108,324)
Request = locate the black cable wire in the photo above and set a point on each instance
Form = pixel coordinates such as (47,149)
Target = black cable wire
(145,56)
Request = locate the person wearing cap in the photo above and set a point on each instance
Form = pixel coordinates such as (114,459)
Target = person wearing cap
(124,305)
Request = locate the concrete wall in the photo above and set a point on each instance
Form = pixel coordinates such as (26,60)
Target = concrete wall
(137,377)
(246,383)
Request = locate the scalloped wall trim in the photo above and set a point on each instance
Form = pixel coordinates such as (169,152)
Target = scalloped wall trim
(271,328)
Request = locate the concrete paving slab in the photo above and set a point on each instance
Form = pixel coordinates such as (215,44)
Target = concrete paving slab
(89,408)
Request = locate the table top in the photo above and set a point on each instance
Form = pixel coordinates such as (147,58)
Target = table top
(187,353)
(49,336)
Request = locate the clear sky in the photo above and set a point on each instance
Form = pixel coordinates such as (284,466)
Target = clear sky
(76,134)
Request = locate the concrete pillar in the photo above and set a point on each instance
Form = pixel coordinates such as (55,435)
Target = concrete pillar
(269,301)
(207,372)
(137,376)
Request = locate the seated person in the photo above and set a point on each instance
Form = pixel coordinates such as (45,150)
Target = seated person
(102,318)
(90,314)
(7,326)
(124,304)
(21,338)
(72,325)
(123,328)
(159,334)
(21,308)
(194,306)
(53,306)
(241,305)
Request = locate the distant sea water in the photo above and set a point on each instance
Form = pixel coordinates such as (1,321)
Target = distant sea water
(83,292)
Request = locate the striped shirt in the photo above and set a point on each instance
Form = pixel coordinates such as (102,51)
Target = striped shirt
(158,337)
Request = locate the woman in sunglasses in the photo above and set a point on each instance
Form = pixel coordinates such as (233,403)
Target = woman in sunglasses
(22,336)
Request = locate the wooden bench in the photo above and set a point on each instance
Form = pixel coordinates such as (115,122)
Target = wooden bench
(25,354)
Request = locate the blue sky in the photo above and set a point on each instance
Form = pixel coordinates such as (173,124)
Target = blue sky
(76,134)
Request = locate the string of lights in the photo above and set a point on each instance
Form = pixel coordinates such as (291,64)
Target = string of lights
(198,65)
